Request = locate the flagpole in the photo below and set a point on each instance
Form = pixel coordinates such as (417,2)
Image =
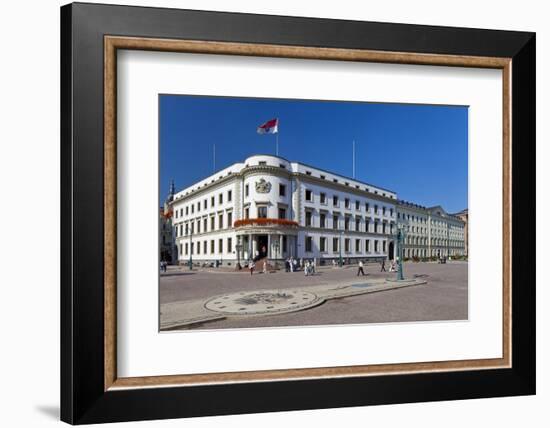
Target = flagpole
(277,143)
(353,159)
(214,157)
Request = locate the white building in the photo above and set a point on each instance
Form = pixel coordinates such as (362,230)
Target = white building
(270,207)
(430,232)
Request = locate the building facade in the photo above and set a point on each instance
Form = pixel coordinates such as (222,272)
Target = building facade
(270,207)
(430,231)
(463,215)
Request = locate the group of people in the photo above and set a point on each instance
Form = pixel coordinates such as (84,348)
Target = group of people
(163,265)
(294,265)
(361,270)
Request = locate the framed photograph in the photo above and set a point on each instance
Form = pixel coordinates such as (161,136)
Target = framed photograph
(267,213)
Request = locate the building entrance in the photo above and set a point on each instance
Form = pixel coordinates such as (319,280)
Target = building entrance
(262,246)
(390,251)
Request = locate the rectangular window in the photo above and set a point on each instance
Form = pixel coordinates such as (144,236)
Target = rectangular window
(308,244)
(186,248)
(220,221)
(177,212)
(212,250)
(247,212)
(205,247)
(229,195)
(335,245)
(346,245)
(367,245)
(192,248)
(192,208)
(384,246)
(282,213)
(335,200)
(357,224)
(383,210)
(198,206)
(246,190)
(391,212)
(335,222)
(376,209)
(205,224)
(212,223)
(212,201)
(262,163)
(357,206)
(229,245)
(367,206)
(198,227)
(308,218)
(220,198)
(220,245)
(282,190)
(229,219)
(322,244)
(322,220)
(357,245)
(346,203)
(198,247)
(375,246)
(262,212)
(323,198)
(384,228)
(375,226)
(346,223)
(308,195)
(205,203)
(187,210)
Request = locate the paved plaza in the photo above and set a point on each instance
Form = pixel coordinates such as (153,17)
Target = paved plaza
(213,298)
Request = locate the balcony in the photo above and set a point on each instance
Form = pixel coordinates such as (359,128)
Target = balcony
(265,222)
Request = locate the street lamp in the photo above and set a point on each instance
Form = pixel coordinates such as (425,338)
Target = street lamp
(239,248)
(399,239)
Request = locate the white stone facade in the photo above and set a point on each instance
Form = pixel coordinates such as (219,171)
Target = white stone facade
(430,232)
(270,207)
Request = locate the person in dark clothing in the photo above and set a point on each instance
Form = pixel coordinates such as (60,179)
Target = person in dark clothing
(383,266)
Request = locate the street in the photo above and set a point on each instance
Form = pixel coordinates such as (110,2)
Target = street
(443,297)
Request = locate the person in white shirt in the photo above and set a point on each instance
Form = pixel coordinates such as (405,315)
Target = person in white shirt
(360,270)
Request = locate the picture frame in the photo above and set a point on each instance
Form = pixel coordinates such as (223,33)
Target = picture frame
(91,391)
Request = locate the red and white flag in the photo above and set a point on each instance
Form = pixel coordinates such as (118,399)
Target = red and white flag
(270,127)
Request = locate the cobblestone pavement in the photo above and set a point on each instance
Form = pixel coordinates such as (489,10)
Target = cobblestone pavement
(443,297)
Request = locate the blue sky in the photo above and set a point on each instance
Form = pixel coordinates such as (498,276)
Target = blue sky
(418,151)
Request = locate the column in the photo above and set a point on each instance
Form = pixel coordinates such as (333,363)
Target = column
(280,255)
(269,252)
(254,246)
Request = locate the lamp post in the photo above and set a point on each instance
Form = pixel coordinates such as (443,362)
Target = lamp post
(239,248)
(399,238)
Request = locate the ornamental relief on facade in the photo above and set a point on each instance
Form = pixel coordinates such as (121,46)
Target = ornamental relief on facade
(263,186)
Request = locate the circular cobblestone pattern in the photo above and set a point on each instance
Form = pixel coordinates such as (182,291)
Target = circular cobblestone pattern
(263,302)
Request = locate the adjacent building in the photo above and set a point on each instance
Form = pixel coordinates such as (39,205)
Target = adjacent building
(270,207)
(430,231)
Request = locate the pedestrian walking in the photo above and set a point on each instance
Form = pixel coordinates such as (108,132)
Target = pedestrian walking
(251,267)
(383,266)
(287,265)
(265,266)
(306,268)
(360,270)
(291,265)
